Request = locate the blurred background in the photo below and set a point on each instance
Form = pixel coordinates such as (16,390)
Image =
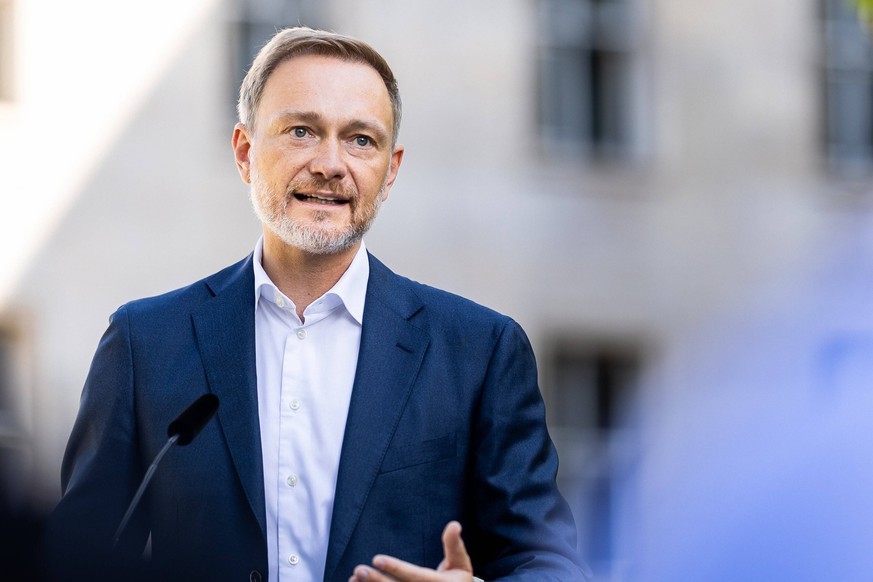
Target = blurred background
(673,197)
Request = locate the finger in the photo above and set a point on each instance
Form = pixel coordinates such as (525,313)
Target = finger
(456,556)
(367,574)
(403,571)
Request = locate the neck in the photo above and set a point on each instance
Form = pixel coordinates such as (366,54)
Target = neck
(301,276)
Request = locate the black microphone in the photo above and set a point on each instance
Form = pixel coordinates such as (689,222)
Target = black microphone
(188,425)
(181,431)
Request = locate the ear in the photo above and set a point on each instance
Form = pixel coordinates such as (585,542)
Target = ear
(396,158)
(242,145)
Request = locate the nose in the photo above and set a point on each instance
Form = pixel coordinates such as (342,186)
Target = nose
(327,160)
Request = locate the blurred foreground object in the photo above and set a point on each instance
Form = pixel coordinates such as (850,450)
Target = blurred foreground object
(757,463)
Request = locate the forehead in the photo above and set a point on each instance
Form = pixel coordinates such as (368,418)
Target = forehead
(327,86)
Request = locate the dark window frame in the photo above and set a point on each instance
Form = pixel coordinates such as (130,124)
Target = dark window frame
(590,385)
(846,128)
(587,75)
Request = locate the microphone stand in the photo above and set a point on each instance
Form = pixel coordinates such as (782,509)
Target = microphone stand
(142,487)
(182,430)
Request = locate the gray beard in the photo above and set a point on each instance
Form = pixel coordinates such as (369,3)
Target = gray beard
(309,237)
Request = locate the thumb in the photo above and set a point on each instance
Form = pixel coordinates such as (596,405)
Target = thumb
(456,556)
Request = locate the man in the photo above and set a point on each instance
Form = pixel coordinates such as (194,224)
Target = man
(363,417)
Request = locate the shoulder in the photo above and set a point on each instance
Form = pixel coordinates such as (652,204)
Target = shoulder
(427,305)
(183,301)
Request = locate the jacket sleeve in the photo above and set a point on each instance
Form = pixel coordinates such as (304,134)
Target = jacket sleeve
(522,523)
(101,469)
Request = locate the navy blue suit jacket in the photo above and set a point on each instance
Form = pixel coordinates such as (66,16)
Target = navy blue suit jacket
(445,422)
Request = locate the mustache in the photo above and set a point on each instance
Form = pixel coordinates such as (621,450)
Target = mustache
(345,191)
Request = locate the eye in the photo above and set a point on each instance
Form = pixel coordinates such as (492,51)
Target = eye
(363,141)
(299,132)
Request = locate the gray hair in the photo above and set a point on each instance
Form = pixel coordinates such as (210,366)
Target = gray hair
(300,41)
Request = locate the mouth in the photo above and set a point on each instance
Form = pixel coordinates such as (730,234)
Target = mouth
(320,199)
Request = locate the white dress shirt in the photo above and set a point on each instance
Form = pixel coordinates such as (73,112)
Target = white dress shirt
(305,376)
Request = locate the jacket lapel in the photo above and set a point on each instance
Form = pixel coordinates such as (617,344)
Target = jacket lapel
(390,355)
(225,330)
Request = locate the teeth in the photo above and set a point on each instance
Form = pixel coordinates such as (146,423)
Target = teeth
(319,200)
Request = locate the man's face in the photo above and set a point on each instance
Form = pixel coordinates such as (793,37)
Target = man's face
(319,159)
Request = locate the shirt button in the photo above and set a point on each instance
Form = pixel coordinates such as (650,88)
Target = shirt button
(294,404)
(291,480)
(280,301)
(293,559)
(301,334)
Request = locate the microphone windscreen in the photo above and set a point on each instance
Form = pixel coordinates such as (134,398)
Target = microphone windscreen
(192,420)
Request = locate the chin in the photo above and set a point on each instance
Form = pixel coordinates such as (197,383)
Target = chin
(317,241)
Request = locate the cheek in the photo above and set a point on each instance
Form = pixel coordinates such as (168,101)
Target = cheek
(277,166)
(370,182)
(274,186)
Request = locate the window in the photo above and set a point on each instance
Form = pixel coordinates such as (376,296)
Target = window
(589,390)
(255,22)
(587,75)
(848,90)
(6,48)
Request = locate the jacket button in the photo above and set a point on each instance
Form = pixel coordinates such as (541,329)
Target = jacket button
(254,576)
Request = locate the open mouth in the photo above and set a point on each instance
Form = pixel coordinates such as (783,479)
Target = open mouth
(320,200)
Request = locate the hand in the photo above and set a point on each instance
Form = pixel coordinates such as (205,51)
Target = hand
(455,567)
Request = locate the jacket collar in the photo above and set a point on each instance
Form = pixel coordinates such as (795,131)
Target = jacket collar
(391,353)
(392,349)
(225,331)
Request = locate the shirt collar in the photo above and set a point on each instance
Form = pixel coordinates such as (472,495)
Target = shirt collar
(350,290)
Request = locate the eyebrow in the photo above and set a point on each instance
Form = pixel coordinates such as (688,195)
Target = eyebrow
(312,118)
